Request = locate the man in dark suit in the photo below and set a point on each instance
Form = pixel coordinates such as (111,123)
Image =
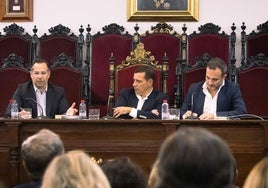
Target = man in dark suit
(142,101)
(44,98)
(37,151)
(215,96)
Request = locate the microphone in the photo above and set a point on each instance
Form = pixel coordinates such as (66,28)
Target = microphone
(42,111)
(108,106)
(246,116)
(192,108)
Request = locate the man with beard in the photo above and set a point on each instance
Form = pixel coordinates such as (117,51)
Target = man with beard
(215,96)
(142,101)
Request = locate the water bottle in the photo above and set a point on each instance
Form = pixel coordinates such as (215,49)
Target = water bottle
(165,110)
(14,109)
(83,109)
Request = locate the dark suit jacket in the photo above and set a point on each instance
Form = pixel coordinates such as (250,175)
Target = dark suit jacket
(229,102)
(33,184)
(128,97)
(56,102)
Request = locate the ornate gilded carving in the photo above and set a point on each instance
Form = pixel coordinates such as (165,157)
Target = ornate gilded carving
(162,28)
(139,56)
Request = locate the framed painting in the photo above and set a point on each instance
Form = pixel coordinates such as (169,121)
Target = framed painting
(162,10)
(16,10)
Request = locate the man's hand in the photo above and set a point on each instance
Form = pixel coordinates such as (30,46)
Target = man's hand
(121,110)
(206,116)
(71,110)
(23,114)
(188,114)
(155,111)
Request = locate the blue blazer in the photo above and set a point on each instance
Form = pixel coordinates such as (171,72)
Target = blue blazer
(229,102)
(128,97)
(56,102)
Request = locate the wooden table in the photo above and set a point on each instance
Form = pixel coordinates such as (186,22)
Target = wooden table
(138,139)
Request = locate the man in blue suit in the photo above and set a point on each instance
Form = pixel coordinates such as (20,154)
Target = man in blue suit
(215,96)
(142,101)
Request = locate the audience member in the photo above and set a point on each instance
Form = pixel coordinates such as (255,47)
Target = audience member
(142,101)
(154,179)
(216,96)
(37,151)
(235,172)
(124,173)
(194,157)
(258,176)
(44,98)
(74,169)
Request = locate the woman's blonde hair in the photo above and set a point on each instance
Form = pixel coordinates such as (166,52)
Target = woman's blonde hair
(74,169)
(258,176)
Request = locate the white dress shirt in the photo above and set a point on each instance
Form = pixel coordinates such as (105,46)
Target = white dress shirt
(210,104)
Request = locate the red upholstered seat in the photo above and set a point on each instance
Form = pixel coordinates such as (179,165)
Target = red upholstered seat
(10,78)
(255,42)
(192,76)
(61,40)
(113,39)
(162,39)
(63,50)
(121,76)
(202,46)
(253,72)
(252,79)
(71,80)
(15,41)
(15,59)
(214,44)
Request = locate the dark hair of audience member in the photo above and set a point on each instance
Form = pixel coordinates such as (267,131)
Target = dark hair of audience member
(38,150)
(194,157)
(124,173)
(235,171)
(258,176)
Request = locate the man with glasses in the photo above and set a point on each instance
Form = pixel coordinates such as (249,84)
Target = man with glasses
(215,96)
(44,98)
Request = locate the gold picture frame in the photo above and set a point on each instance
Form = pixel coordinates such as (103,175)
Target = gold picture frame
(16,10)
(162,10)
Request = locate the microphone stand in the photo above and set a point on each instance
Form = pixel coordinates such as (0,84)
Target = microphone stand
(192,117)
(42,111)
(108,108)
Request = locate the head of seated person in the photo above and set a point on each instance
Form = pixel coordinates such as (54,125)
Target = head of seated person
(258,175)
(194,157)
(74,169)
(38,150)
(123,172)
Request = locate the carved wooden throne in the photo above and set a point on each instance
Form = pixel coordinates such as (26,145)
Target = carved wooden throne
(121,76)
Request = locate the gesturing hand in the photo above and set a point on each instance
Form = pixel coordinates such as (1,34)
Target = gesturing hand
(71,110)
